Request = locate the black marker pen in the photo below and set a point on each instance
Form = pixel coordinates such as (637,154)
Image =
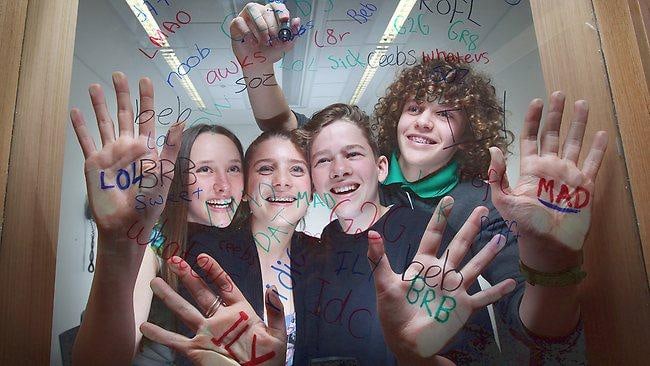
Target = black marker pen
(285,33)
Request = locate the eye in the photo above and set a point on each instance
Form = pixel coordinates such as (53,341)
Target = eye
(265,169)
(297,170)
(446,114)
(234,169)
(322,161)
(353,154)
(413,107)
(204,169)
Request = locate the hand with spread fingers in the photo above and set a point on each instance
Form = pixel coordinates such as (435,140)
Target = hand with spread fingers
(227,329)
(423,309)
(125,166)
(268,29)
(552,200)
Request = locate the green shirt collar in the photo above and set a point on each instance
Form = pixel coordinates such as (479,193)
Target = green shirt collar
(434,185)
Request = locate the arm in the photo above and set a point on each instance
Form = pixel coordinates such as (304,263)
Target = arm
(107,334)
(254,32)
(551,237)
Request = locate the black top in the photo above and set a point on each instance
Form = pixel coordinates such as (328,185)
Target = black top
(335,302)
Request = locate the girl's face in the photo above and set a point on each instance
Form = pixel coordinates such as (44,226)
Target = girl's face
(427,136)
(343,165)
(278,176)
(217,191)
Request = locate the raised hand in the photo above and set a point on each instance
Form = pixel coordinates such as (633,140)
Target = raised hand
(230,330)
(422,309)
(125,166)
(255,29)
(552,200)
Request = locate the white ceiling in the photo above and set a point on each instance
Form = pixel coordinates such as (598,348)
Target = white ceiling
(109,35)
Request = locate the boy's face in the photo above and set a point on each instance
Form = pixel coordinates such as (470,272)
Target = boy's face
(427,134)
(343,164)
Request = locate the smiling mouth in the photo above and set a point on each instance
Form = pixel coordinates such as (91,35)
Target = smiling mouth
(288,199)
(421,140)
(345,189)
(223,203)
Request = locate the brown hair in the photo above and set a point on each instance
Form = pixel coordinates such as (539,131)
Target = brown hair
(332,113)
(174,216)
(456,85)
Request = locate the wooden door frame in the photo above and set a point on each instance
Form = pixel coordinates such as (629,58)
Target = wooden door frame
(34,100)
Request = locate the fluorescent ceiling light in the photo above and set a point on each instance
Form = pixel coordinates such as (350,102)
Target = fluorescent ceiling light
(392,30)
(153,30)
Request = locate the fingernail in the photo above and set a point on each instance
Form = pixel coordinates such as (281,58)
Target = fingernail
(499,241)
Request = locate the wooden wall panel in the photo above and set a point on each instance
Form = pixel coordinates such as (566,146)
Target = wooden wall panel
(30,233)
(12,21)
(615,305)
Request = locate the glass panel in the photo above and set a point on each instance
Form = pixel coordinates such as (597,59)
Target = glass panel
(347,52)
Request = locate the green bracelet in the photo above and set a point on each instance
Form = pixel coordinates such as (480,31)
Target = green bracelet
(568,277)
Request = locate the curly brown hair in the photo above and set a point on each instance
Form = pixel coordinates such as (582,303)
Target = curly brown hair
(455,85)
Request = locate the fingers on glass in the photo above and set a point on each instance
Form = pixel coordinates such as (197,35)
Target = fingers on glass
(81,130)
(592,163)
(124,106)
(239,29)
(433,234)
(550,136)
(163,336)
(146,120)
(228,290)
(275,311)
(528,137)
(253,16)
(482,259)
(177,304)
(104,122)
(492,294)
(199,290)
(573,141)
(465,236)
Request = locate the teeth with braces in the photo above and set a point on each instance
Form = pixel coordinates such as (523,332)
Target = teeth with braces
(223,202)
(421,140)
(281,199)
(345,189)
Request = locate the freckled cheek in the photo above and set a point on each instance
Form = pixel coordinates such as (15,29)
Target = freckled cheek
(320,179)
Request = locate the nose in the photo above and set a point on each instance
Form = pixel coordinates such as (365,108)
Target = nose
(424,121)
(340,168)
(281,179)
(221,183)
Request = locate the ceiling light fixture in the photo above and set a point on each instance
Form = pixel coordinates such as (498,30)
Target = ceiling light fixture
(392,30)
(153,30)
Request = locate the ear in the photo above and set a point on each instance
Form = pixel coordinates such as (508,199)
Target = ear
(382,168)
(244,196)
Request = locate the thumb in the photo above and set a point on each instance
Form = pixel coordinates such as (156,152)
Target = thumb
(497,176)
(275,314)
(379,265)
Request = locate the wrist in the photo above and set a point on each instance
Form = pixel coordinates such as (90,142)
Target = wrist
(546,256)
(256,70)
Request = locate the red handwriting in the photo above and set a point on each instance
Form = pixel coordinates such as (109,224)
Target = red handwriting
(254,360)
(580,197)
(342,303)
(158,39)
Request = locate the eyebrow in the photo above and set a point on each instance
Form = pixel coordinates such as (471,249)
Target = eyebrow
(344,148)
(293,161)
(211,161)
